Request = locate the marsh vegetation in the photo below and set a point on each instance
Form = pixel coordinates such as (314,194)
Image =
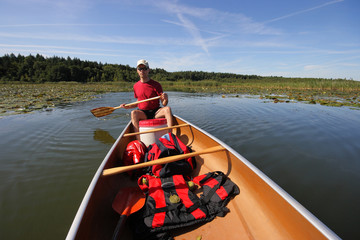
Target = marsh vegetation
(18,98)
(35,82)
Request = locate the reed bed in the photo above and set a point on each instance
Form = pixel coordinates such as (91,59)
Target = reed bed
(16,98)
(269,84)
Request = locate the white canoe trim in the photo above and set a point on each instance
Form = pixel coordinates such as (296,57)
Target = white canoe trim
(80,213)
(301,209)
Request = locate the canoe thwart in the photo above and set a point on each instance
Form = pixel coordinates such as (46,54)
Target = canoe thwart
(160,161)
(156,130)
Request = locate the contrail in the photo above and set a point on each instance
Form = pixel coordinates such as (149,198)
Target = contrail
(303,11)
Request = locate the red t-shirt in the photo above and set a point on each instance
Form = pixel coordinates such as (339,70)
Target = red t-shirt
(147,90)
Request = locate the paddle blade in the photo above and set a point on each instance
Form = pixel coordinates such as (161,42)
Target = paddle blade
(102,111)
(128,201)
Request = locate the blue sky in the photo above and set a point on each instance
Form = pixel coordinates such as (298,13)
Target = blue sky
(290,38)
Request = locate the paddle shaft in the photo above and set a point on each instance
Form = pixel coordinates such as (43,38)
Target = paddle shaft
(137,102)
(160,161)
(103,111)
(126,202)
(119,227)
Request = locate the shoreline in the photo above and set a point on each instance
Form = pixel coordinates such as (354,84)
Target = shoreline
(21,98)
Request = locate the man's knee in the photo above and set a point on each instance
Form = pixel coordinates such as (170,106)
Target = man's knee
(167,110)
(136,114)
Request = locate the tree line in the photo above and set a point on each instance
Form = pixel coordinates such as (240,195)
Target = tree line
(38,69)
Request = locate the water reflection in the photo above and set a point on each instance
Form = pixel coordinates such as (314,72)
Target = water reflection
(104,137)
(49,158)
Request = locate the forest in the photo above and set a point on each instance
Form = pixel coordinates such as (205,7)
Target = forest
(38,69)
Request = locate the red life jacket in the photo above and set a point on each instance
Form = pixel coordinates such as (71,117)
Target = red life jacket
(170,204)
(218,190)
(160,214)
(169,145)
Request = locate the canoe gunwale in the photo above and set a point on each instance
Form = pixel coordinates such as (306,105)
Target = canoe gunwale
(84,203)
(306,214)
(327,232)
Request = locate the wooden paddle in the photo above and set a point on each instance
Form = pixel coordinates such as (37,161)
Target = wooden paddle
(127,201)
(160,161)
(103,111)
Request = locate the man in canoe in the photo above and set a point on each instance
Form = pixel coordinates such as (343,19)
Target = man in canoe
(147,88)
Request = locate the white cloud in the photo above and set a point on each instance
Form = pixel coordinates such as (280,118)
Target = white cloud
(172,62)
(312,67)
(96,38)
(194,31)
(228,23)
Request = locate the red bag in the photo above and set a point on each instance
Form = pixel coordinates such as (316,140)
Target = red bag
(134,153)
(170,145)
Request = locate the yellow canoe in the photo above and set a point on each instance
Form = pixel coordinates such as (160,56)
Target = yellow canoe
(262,210)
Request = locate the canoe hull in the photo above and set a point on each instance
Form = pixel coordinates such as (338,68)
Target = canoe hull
(262,208)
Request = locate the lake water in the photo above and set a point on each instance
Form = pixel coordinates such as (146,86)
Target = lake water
(48,158)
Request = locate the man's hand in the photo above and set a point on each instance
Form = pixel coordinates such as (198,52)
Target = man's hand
(164,96)
(126,107)
(164,99)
